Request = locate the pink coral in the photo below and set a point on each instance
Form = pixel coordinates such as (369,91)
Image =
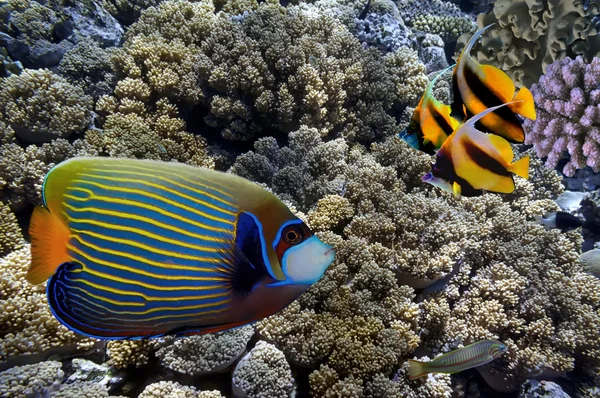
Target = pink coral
(567,99)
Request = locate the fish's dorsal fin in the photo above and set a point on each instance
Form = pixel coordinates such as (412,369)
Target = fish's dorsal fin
(474,38)
(435,79)
(474,119)
(503,147)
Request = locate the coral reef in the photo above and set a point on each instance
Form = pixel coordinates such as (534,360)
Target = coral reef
(175,390)
(263,372)
(567,101)
(26,324)
(40,105)
(198,355)
(10,232)
(266,72)
(529,36)
(35,380)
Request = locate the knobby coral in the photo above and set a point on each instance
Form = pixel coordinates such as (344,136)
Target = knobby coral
(40,105)
(567,101)
(268,70)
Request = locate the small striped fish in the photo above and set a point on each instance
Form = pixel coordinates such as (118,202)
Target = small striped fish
(468,357)
(470,161)
(477,87)
(138,249)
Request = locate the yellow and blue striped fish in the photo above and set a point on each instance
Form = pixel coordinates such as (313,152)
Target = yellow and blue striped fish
(138,249)
(468,357)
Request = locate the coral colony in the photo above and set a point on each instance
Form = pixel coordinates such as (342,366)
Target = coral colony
(307,99)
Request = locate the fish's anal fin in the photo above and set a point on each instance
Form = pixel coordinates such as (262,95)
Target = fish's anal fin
(416,369)
(521,167)
(499,82)
(49,236)
(525,105)
(457,190)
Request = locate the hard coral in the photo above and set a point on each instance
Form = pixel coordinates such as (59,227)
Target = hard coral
(263,372)
(267,70)
(40,105)
(197,355)
(567,101)
(35,380)
(11,237)
(26,324)
(175,390)
(530,35)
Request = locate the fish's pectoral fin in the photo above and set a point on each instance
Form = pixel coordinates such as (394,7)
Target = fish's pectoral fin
(525,105)
(456,189)
(521,167)
(245,257)
(49,236)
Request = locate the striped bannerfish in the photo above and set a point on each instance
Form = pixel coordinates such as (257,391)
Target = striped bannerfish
(470,161)
(471,356)
(431,122)
(137,249)
(478,87)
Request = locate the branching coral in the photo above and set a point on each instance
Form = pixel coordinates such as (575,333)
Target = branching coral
(198,355)
(26,324)
(263,372)
(35,380)
(175,390)
(22,171)
(268,70)
(567,101)
(10,232)
(40,105)
(530,35)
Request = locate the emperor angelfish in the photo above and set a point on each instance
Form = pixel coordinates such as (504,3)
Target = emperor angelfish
(137,249)
(478,87)
(470,161)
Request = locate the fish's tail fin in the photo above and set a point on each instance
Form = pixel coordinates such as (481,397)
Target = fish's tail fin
(524,106)
(521,167)
(49,237)
(416,369)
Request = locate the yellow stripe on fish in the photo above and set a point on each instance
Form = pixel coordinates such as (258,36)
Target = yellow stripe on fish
(137,249)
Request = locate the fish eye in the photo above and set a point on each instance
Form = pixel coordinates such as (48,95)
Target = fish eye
(292,235)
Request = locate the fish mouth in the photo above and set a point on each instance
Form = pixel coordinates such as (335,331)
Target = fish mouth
(329,251)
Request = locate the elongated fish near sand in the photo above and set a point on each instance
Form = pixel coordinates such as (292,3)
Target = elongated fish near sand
(137,249)
(431,122)
(478,87)
(471,356)
(470,161)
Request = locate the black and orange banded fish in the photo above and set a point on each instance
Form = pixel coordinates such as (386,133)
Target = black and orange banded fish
(137,249)
(431,122)
(471,356)
(470,161)
(478,87)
